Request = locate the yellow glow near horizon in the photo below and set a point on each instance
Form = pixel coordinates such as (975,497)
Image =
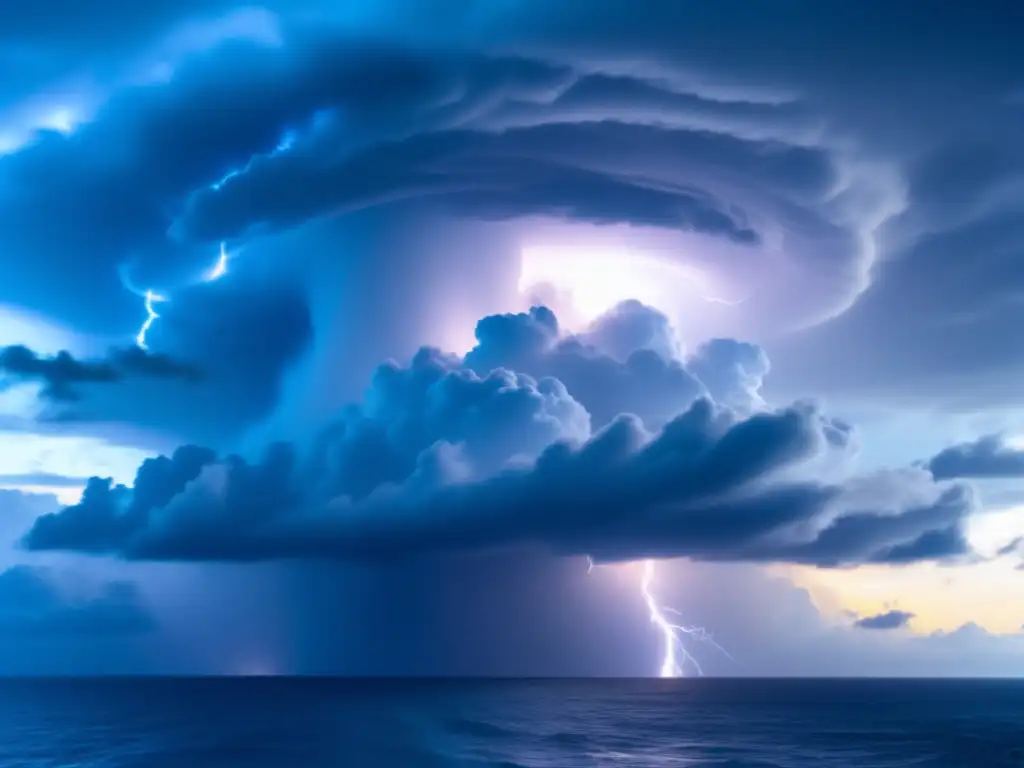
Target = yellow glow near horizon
(988,593)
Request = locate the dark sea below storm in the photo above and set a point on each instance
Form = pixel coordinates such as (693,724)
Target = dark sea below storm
(311,722)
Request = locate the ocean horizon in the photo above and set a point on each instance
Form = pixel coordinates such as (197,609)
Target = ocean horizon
(311,721)
(355,677)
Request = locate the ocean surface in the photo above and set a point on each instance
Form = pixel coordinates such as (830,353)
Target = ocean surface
(309,722)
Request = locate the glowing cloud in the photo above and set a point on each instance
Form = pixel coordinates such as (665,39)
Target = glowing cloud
(592,278)
(220,267)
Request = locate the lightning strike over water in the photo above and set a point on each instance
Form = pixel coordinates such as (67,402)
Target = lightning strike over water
(676,657)
(151,315)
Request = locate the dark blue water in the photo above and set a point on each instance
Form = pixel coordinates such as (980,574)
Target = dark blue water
(307,723)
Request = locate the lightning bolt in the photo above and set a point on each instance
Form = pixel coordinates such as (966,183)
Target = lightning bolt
(220,267)
(675,656)
(286,142)
(151,298)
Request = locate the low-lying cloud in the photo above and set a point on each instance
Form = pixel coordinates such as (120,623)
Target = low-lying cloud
(441,456)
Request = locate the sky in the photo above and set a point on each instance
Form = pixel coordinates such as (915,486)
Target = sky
(442,337)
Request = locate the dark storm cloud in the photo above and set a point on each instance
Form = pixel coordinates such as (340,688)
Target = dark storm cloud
(32,605)
(987,457)
(241,337)
(224,348)
(439,458)
(61,375)
(1017,545)
(889,620)
(516,173)
(58,374)
(616,497)
(498,137)
(135,361)
(531,110)
(516,111)
(473,133)
(731,133)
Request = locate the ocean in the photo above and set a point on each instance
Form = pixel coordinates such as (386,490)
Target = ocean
(313,722)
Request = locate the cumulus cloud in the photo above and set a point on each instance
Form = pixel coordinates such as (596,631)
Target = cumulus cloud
(62,374)
(630,377)
(627,361)
(628,327)
(440,456)
(893,619)
(986,457)
(732,371)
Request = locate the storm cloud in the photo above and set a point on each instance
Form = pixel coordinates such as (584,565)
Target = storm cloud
(893,619)
(987,457)
(835,185)
(440,457)
(61,374)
